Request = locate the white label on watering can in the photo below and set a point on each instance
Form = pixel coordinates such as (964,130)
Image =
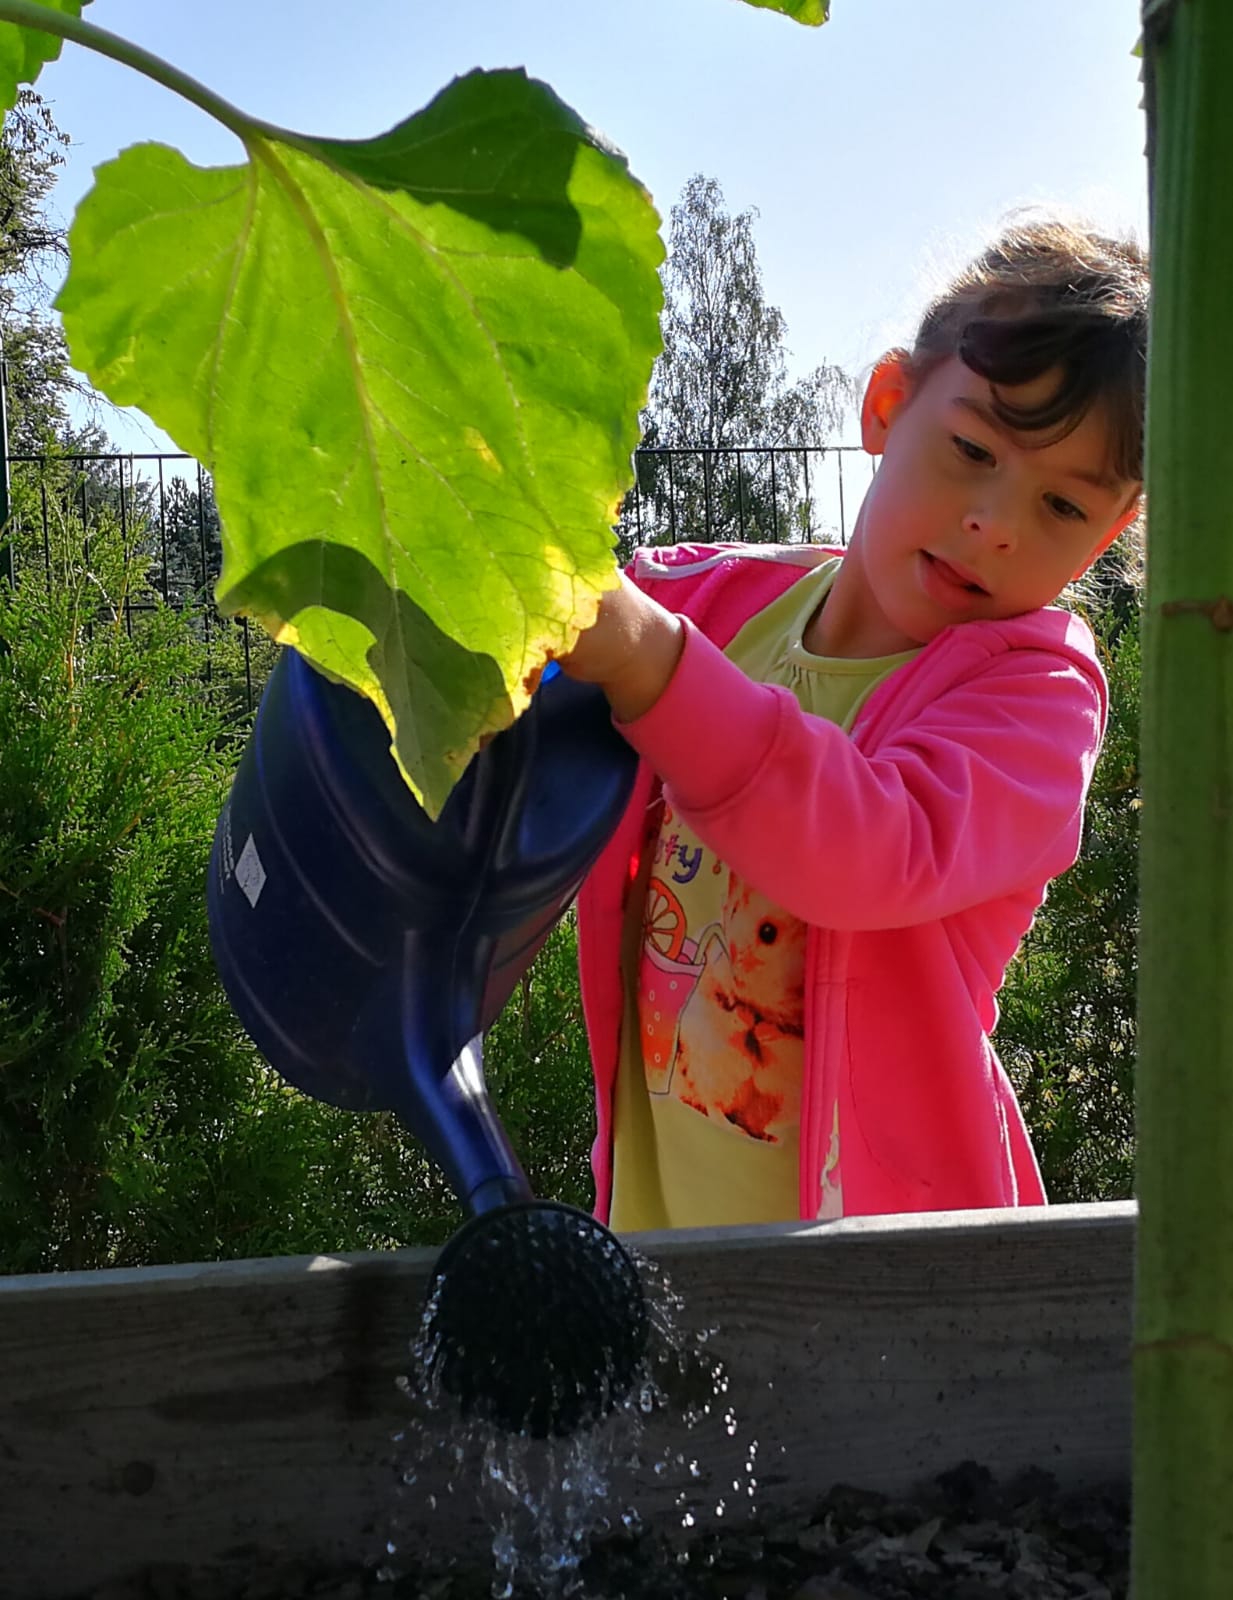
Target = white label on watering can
(249,873)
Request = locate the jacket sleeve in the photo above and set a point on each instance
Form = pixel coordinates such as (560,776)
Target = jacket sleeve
(980,795)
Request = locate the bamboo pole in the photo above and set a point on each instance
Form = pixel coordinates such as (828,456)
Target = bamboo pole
(1183,1364)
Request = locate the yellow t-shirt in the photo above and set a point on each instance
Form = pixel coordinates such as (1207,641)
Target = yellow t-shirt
(707,1104)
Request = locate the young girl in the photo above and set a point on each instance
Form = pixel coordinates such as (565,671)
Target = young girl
(859,772)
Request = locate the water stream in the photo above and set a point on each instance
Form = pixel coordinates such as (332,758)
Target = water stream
(545,1503)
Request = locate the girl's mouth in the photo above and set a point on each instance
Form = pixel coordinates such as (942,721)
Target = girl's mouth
(954,576)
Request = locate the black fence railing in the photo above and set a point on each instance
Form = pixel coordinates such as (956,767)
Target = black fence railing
(162,506)
(785,494)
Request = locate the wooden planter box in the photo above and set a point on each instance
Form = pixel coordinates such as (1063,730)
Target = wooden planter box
(243,1411)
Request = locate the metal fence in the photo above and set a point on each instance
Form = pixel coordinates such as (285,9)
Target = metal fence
(146,495)
(162,506)
(788,494)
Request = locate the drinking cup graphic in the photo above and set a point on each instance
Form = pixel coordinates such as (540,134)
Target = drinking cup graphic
(669,972)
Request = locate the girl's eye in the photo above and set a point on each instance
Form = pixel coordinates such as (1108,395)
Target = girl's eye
(1066,509)
(970,450)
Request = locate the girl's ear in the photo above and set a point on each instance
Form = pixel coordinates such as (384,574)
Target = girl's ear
(1120,526)
(885,394)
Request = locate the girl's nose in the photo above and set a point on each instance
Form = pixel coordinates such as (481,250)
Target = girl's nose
(991,524)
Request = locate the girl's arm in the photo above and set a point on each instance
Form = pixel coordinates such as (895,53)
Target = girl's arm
(980,796)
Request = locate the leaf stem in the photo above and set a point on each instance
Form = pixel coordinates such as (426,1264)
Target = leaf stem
(28,14)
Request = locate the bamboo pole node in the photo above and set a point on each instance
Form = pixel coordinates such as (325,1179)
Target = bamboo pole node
(1219,611)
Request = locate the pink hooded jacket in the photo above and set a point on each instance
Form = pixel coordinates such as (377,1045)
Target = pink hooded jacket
(918,848)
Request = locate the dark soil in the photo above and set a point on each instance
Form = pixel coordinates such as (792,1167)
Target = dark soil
(963,1538)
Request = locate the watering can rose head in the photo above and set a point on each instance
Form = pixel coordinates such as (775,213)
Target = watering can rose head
(536,1321)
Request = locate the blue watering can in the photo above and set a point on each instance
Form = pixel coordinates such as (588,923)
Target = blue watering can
(366,949)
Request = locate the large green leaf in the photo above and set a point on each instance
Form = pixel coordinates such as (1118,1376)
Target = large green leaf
(414,366)
(811,12)
(25,51)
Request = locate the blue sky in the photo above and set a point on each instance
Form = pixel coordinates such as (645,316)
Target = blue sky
(878,150)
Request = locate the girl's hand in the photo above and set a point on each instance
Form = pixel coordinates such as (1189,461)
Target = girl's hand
(631,651)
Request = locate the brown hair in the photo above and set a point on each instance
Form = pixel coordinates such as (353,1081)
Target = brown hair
(1045,296)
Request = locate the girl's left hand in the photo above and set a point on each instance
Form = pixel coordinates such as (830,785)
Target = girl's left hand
(631,651)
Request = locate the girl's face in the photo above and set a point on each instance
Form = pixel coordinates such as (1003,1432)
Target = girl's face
(964,519)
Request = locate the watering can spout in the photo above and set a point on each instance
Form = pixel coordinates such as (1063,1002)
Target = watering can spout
(497,1178)
(494,1194)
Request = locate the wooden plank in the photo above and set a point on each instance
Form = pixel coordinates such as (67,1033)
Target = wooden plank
(200,1414)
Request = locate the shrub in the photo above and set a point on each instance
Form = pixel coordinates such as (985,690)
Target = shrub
(537,1063)
(136,1122)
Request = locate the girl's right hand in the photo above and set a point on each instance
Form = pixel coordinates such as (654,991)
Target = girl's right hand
(631,651)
